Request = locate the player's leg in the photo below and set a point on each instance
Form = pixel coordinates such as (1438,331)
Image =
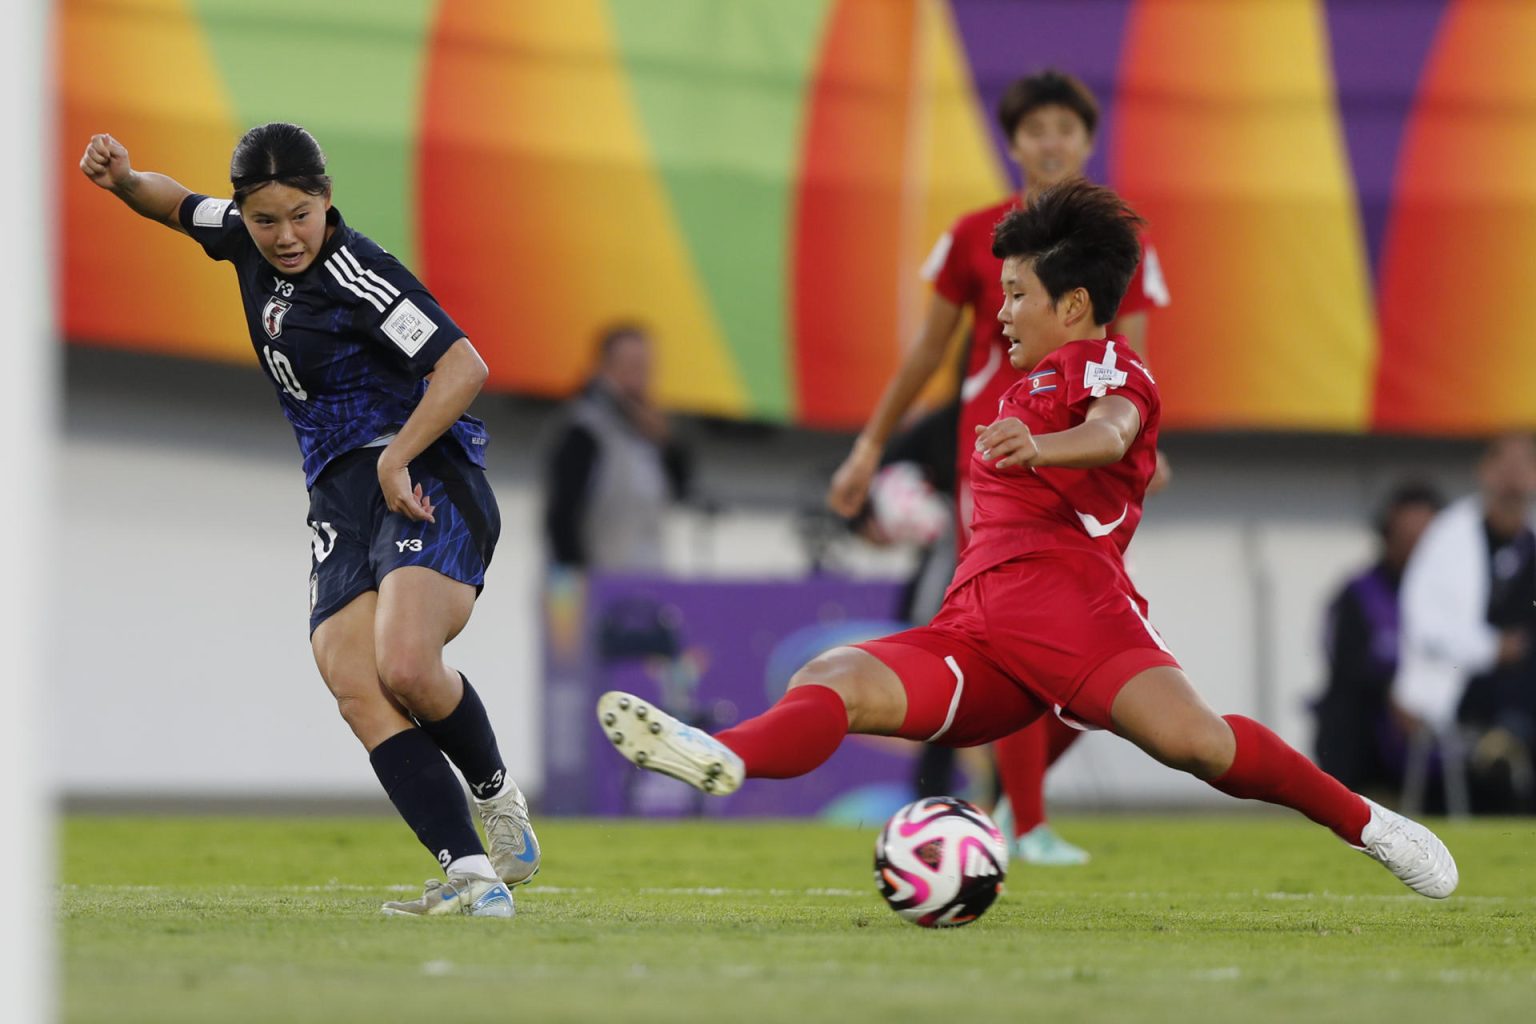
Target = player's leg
(409,766)
(1022,760)
(430,575)
(1159,711)
(419,611)
(921,684)
(844,690)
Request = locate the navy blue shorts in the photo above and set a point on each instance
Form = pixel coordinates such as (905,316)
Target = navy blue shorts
(357,541)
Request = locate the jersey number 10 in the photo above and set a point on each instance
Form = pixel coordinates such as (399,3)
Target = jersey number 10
(282,372)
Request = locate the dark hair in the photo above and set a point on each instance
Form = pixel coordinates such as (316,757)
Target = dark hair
(1047,88)
(1076,235)
(609,337)
(280,152)
(1405,495)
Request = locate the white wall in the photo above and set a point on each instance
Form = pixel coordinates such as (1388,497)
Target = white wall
(177,649)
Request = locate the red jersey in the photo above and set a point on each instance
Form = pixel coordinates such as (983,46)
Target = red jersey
(964,271)
(1018,510)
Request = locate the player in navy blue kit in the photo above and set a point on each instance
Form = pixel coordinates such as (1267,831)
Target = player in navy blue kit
(404,523)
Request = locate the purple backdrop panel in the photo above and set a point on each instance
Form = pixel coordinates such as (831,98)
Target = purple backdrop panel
(1006,40)
(711,653)
(1378,58)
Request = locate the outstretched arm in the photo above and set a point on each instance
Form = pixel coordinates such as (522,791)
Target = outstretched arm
(850,484)
(149,195)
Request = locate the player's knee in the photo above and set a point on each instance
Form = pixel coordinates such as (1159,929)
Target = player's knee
(354,711)
(368,718)
(1200,751)
(411,675)
(827,670)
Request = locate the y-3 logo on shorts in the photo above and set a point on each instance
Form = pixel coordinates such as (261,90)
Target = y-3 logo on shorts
(413,544)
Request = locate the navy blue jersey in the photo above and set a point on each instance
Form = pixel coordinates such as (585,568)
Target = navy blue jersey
(347,342)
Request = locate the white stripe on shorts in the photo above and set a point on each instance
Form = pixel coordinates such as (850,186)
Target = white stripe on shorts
(1150,631)
(954,702)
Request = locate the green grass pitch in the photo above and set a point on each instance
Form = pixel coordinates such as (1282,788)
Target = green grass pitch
(1248,918)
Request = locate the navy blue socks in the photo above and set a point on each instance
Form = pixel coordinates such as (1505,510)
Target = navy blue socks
(427,794)
(470,743)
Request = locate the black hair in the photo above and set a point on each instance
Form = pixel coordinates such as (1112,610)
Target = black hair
(280,152)
(1405,495)
(609,337)
(1075,235)
(1046,88)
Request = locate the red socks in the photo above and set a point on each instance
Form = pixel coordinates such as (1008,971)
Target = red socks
(1266,768)
(1022,759)
(794,736)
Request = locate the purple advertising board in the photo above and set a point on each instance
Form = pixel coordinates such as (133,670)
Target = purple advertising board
(711,653)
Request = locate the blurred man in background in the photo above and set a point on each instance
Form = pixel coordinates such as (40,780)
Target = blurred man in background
(1049,119)
(1361,735)
(1468,621)
(614,468)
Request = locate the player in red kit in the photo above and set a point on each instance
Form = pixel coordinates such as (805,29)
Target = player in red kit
(1050,120)
(1041,617)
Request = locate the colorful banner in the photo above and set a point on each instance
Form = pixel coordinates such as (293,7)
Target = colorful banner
(1343,193)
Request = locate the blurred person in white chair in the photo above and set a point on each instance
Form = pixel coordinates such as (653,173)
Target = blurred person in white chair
(614,468)
(1466,664)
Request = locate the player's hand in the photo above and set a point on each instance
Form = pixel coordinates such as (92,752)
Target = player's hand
(400,496)
(850,484)
(106,162)
(1007,443)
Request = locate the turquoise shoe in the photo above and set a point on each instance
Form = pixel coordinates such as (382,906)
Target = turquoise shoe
(1041,845)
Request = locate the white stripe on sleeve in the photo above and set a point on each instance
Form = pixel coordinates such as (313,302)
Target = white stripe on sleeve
(361,278)
(367,276)
(342,280)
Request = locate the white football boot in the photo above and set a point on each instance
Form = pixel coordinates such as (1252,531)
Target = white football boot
(1410,851)
(514,849)
(655,740)
(469,895)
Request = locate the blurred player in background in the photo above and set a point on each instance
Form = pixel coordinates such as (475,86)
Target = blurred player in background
(404,521)
(1049,120)
(1041,617)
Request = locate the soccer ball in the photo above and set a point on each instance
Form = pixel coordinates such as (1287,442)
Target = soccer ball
(904,506)
(940,862)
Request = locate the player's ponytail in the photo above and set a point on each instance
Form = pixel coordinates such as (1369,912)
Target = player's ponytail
(278,152)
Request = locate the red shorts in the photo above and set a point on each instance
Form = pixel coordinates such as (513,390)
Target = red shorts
(1048,632)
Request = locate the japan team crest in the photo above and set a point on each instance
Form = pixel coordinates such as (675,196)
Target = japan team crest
(272,315)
